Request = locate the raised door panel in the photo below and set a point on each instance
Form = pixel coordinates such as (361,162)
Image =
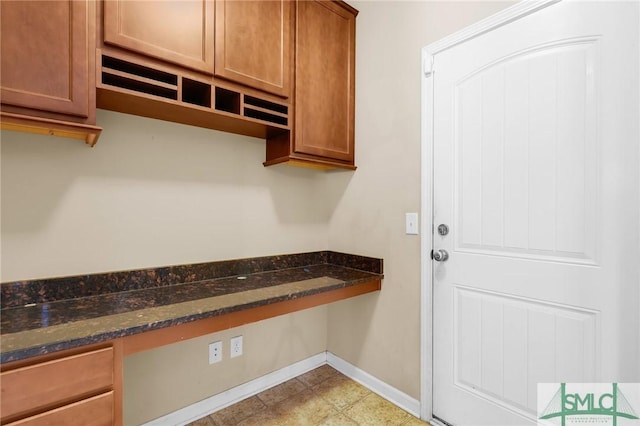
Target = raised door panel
(253,44)
(530,135)
(177,31)
(325,80)
(44,57)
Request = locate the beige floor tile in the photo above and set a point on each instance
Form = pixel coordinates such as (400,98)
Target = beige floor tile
(340,391)
(374,411)
(281,392)
(303,409)
(237,412)
(205,421)
(318,375)
(414,421)
(321,397)
(266,417)
(338,420)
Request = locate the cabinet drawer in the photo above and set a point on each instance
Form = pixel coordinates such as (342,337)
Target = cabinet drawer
(96,411)
(58,381)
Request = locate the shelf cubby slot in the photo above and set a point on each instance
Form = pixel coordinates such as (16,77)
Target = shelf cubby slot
(227,100)
(126,75)
(267,105)
(196,92)
(265,116)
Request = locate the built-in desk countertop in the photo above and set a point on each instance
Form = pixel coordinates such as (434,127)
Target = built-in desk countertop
(151,307)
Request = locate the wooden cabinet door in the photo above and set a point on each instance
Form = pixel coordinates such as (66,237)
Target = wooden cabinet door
(44,55)
(177,31)
(325,79)
(253,43)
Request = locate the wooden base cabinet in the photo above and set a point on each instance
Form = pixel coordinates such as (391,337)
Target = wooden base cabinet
(71,388)
(323,132)
(95,411)
(48,67)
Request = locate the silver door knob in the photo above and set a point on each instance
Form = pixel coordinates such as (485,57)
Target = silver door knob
(439,255)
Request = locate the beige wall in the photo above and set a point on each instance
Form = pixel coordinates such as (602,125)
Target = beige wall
(164,380)
(149,193)
(153,193)
(381,333)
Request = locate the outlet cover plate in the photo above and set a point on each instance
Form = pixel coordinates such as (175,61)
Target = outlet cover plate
(215,352)
(236,346)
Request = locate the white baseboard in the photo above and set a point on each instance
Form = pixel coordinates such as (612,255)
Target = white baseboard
(374,384)
(224,399)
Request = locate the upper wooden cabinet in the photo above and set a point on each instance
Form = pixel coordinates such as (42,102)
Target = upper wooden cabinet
(325,80)
(323,131)
(176,31)
(254,43)
(43,66)
(48,67)
(156,59)
(279,69)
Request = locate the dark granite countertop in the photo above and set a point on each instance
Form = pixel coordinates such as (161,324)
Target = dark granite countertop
(44,316)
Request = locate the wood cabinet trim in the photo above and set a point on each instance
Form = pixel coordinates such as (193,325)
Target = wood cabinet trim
(46,126)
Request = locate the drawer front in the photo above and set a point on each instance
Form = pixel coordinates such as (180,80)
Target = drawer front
(58,381)
(96,411)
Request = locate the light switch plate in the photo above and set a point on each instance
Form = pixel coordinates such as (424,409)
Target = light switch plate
(411,224)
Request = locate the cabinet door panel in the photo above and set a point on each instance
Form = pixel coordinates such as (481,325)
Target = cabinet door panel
(253,43)
(325,78)
(178,31)
(44,58)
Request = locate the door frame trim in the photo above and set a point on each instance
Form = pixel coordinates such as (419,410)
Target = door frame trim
(500,19)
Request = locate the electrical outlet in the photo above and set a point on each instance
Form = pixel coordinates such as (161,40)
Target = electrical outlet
(215,352)
(236,346)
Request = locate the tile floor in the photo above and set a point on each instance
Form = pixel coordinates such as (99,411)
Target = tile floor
(322,396)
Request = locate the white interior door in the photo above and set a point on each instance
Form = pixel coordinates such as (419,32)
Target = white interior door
(535,159)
